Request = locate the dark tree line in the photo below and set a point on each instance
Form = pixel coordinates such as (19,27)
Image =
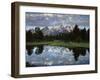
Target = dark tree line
(34,36)
(77,35)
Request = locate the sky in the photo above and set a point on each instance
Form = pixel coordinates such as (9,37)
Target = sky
(51,19)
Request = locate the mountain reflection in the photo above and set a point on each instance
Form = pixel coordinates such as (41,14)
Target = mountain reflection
(55,55)
(37,49)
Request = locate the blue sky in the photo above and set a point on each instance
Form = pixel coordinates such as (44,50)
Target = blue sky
(51,19)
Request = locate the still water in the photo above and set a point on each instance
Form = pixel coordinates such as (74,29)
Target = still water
(45,55)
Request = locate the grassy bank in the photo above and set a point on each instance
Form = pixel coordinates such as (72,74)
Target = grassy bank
(61,43)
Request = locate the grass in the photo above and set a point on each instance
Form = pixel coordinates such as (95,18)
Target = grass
(61,43)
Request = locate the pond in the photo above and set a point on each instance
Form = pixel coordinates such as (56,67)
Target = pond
(45,55)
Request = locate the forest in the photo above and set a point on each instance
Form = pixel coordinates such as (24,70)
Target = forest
(76,38)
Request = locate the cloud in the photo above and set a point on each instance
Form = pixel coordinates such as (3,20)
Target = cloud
(47,15)
(50,19)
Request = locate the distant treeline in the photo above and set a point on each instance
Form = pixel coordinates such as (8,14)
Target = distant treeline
(76,35)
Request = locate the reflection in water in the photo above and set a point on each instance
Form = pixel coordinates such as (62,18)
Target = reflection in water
(77,52)
(29,50)
(38,49)
(54,55)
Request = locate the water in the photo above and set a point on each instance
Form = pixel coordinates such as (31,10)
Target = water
(45,55)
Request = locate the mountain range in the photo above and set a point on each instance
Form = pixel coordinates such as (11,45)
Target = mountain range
(52,30)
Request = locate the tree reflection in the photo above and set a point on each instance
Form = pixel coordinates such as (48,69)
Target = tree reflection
(29,50)
(77,52)
(88,49)
(38,49)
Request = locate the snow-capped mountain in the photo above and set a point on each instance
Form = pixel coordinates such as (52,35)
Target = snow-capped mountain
(52,30)
(56,30)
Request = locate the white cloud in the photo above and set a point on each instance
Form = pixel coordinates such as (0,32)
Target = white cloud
(47,18)
(47,14)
